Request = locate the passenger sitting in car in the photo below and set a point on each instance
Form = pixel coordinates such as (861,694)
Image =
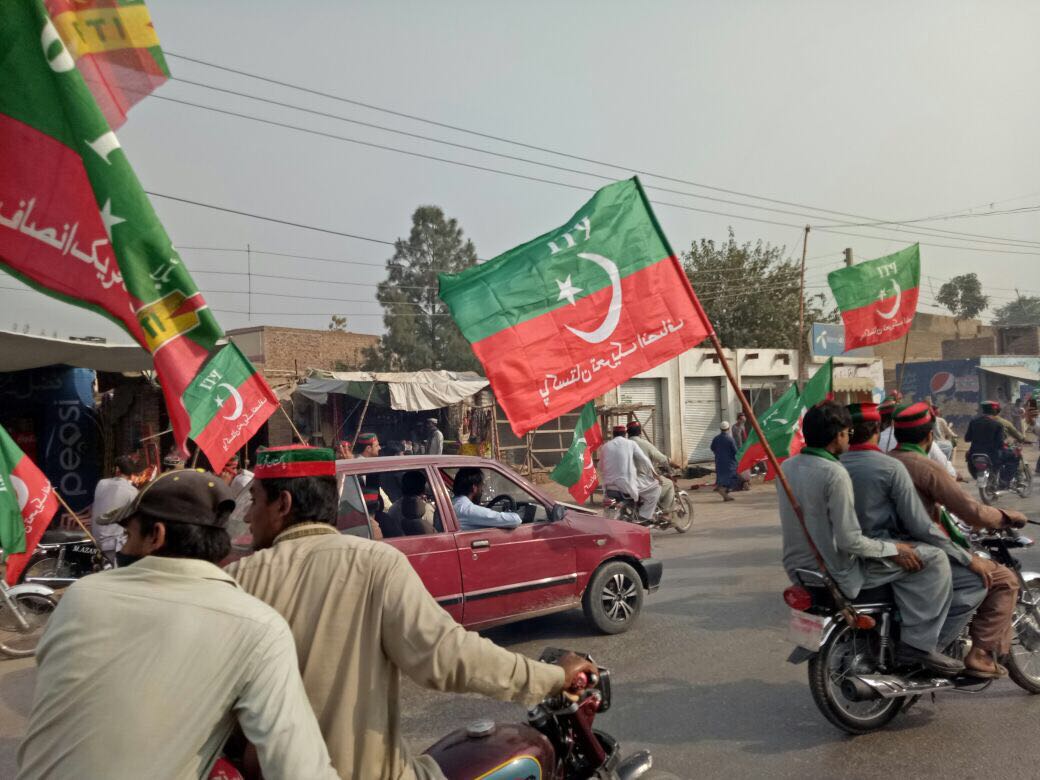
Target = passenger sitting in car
(412,511)
(467,487)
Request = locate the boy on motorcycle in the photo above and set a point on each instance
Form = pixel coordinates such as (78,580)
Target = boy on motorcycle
(919,574)
(889,508)
(991,628)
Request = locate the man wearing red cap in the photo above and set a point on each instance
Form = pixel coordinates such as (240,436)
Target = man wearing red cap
(627,470)
(991,628)
(366,446)
(888,507)
(660,461)
(360,616)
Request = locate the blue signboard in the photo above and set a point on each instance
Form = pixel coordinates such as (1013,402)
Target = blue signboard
(828,340)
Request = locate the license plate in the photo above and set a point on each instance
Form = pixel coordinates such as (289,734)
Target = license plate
(806,630)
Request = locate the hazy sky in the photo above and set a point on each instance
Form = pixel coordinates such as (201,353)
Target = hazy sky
(892,110)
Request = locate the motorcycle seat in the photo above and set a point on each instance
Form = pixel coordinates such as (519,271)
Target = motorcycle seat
(61,536)
(876,595)
(617,495)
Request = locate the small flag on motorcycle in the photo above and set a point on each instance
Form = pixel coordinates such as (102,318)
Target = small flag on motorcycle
(27,506)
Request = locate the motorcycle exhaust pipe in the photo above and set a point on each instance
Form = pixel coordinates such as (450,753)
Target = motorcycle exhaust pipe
(635,766)
(888,686)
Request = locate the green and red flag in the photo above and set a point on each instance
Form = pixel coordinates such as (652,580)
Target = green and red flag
(878,298)
(228,402)
(27,506)
(782,422)
(74,221)
(115,47)
(575,470)
(572,314)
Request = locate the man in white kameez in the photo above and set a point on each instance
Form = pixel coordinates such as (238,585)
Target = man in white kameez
(627,470)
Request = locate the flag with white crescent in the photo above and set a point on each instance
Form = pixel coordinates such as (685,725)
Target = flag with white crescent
(572,314)
(878,298)
(228,401)
(27,506)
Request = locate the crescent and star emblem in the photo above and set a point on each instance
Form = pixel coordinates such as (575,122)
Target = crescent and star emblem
(233,393)
(21,490)
(895,306)
(613,316)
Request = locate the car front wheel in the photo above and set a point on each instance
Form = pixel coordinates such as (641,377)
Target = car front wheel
(613,598)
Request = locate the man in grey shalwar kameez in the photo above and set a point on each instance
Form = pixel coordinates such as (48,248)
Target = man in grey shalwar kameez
(889,508)
(919,574)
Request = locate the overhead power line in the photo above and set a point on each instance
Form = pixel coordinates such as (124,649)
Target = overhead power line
(535,147)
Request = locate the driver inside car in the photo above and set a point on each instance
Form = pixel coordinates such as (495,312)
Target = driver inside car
(468,486)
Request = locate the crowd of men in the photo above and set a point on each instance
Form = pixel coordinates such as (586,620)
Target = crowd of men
(882,517)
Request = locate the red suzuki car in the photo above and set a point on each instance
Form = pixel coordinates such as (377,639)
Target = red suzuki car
(561,557)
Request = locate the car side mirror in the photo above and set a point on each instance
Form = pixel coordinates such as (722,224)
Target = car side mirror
(559,511)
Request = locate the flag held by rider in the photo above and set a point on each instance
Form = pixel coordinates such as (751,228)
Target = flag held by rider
(575,312)
(575,470)
(878,298)
(75,222)
(27,506)
(229,402)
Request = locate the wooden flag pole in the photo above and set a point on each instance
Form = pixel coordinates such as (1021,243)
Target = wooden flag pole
(801,347)
(364,411)
(293,425)
(902,366)
(843,603)
(75,517)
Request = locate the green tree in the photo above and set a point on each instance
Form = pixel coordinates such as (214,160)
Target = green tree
(338,322)
(1025,310)
(962,295)
(420,332)
(750,293)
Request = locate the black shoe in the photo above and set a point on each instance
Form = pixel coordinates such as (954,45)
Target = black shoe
(931,660)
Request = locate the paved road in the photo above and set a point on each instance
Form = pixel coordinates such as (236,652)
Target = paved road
(702,680)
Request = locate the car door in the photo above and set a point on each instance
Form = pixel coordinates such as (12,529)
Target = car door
(433,556)
(509,572)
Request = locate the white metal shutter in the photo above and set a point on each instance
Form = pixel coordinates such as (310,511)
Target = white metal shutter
(648,392)
(701,417)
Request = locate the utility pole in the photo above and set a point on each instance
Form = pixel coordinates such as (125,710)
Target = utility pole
(249,278)
(848,256)
(800,342)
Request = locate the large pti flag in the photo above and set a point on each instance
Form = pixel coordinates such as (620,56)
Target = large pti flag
(74,220)
(27,506)
(563,318)
(575,470)
(228,401)
(878,298)
(782,422)
(116,49)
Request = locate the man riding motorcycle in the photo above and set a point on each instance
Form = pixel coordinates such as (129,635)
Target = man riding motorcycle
(987,436)
(662,465)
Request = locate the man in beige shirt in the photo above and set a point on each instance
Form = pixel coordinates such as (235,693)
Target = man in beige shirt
(144,670)
(360,616)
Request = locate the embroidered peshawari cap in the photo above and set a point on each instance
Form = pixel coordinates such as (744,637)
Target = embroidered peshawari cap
(297,460)
(912,415)
(886,407)
(990,407)
(862,413)
(366,438)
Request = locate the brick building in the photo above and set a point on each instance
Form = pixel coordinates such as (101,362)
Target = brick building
(928,341)
(284,355)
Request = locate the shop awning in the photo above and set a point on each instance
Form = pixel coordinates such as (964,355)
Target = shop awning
(19,351)
(1021,373)
(414,391)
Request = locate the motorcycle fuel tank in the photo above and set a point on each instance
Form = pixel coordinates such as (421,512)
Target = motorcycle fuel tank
(495,751)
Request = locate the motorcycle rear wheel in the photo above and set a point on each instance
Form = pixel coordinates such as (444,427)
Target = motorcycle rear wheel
(682,513)
(16,642)
(986,494)
(46,566)
(829,667)
(1024,665)
(1025,480)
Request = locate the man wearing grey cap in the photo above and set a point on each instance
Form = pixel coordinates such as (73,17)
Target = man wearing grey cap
(435,440)
(143,671)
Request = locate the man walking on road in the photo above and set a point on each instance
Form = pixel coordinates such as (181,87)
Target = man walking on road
(726,476)
(919,574)
(360,616)
(144,670)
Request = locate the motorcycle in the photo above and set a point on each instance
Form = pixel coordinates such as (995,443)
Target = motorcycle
(987,478)
(852,675)
(618,506)
(24,610)
(558,741)
(62,557)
